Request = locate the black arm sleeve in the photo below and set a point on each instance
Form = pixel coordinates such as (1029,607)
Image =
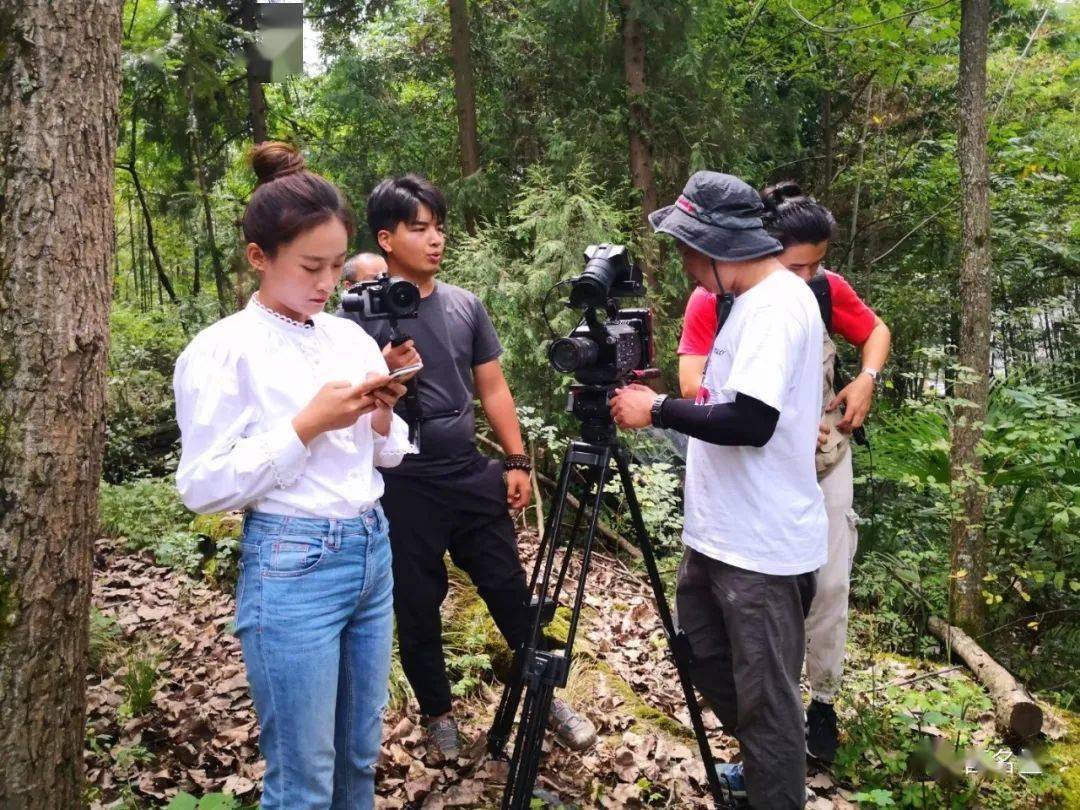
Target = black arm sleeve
(746,421)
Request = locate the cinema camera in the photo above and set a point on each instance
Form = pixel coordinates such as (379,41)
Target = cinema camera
(383,299)
(391,299)
(610,346)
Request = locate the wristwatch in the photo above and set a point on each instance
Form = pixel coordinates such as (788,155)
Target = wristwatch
(873,372)
(657,405)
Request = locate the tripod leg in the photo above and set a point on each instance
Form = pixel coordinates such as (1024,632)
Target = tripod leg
(680,648)
(499,733)
(528,747)
(544,671)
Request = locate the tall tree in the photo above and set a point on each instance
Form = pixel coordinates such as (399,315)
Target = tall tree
(60,69)
(968,529)
(641,157)
(464,96)
(249,21)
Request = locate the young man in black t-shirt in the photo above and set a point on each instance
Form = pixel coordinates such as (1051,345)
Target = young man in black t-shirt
(450,497)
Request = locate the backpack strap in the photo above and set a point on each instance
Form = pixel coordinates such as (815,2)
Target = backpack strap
(819,286)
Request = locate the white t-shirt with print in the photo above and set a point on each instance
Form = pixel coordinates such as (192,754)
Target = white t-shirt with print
(760,508)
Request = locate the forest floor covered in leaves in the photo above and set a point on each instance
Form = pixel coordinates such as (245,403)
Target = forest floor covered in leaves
(169,708)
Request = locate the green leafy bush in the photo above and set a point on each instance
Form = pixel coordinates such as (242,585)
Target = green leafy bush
(211,801)
(143,511)
(141,424)
(1031,475)
(906,747)
(148,513)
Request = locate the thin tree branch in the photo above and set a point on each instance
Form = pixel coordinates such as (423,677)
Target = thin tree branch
(1019,61)
(835,31)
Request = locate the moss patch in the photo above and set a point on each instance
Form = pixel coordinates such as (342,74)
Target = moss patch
(644,714)
(7,607)
(1066,760)
(219,526)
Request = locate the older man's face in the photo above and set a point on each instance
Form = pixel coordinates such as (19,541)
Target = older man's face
(365,268)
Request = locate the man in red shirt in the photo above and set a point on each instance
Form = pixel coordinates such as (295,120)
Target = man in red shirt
(803,226)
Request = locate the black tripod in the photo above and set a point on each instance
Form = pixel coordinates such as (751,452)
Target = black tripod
(536,671)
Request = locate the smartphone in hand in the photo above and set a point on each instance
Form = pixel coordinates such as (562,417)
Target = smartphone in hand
(405,371)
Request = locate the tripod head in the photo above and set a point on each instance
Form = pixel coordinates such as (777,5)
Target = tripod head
(589,405)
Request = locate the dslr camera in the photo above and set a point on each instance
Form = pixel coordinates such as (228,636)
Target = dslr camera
(383,299)
(610,346)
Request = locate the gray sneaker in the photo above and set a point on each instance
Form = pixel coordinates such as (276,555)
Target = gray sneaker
(444,734)
(575,731)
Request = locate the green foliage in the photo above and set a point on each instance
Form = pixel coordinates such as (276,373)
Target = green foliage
(905,747)
(512,263)
(143,511)
(149,514)
(658,487)
(142,434)
(137,681)
(105,636)
(210,801)
(1030,462)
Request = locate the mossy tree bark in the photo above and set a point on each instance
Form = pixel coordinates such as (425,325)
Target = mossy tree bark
(59,86)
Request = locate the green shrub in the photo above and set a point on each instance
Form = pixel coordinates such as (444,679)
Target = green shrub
(1031,475)
(148,513)
(211,801)
(906,747)
(140,418)
(143,511)
(105,635)
(137,682)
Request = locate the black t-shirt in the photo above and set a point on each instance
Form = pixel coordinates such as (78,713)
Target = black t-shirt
(453,334)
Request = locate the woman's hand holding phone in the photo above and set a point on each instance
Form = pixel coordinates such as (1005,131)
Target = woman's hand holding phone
(337,405)
(386,392)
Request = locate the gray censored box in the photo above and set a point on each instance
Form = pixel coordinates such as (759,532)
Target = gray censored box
(281,41)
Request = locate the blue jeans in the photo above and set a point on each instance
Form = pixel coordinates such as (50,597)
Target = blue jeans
(314,618)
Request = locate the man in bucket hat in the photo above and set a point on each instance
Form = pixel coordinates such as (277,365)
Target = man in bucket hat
(755,524)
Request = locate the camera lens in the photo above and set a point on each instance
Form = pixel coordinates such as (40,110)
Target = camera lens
(571,353)
(402,298)
(353,300)
(594,283)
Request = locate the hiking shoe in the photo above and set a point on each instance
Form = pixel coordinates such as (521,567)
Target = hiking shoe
(575,731)
(822,738)
(444,734)
(733,782)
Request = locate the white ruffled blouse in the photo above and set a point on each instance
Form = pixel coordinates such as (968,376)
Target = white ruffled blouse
(239,384)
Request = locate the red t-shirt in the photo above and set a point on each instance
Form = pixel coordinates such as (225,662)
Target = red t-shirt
(852,319)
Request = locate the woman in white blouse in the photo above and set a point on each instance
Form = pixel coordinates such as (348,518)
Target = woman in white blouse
(285,412)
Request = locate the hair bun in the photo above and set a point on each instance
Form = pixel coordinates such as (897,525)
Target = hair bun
(273,159)
(773,196)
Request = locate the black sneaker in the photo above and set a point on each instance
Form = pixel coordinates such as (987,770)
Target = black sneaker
(822,738)
(443,734)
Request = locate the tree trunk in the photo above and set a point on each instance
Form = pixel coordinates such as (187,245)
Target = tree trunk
(464,97)
(641,173)
(828,144)
(59,92)
(858,179)
(196,280)
(968,530)
(1018,715)
(249,21)
(220,279)
(148,222)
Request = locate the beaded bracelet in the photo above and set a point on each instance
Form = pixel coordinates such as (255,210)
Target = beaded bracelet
(517,461)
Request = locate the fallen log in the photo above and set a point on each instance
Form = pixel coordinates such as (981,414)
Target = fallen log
(1017,714)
